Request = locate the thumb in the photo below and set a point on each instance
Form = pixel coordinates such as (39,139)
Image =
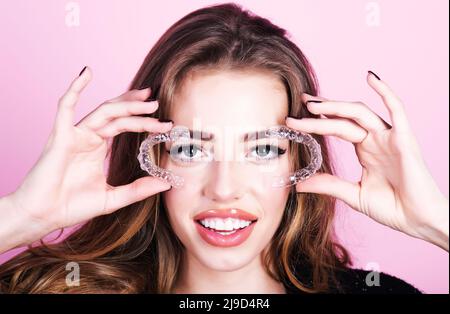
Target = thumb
(142,188)
(324,183)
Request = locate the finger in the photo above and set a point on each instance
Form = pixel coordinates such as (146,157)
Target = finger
(109,111)
(133,124)
(138,190)
(67,102)
(342,128)
(356,111)
(392,102)
(324,183)
(134,94)
(307,97)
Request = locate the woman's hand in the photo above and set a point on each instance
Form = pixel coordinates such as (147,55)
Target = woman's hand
(68,185)
(396,188)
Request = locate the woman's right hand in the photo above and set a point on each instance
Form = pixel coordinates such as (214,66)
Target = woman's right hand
(68,184)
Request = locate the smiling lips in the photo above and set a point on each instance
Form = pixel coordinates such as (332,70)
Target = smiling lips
(225,227)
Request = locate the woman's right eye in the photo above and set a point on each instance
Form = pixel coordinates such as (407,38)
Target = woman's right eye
(186,152)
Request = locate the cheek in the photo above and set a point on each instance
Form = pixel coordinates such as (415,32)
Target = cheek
(273,199)
(273,202)
(180,205)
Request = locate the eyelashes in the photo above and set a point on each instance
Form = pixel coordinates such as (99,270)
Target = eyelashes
(264,150)
(189,153)
(186,152)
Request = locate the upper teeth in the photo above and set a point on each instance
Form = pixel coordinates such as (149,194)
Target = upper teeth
(226,224)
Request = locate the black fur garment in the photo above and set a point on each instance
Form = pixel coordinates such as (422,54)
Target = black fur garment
(353,281)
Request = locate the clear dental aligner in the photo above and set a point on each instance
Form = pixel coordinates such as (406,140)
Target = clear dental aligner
(314,149)
(182,133)
(144,158)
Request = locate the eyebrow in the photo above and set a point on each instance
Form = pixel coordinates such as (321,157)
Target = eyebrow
(206,136)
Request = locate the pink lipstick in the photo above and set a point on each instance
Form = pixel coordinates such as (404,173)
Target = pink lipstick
(225,227)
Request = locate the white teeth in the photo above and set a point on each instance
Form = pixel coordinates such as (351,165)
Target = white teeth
(227,224)
(219,224)
(244,224)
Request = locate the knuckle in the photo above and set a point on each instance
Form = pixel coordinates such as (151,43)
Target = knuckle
(104,109)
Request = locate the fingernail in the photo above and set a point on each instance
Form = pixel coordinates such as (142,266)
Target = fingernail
(314,101)
(82,71)
(165,120)
(374,75)
(141,88)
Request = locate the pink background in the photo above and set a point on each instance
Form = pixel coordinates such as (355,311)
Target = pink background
(40,55)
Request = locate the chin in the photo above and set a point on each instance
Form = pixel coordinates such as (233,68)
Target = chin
(224,259)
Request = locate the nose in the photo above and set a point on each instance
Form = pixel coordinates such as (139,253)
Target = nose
(226,182)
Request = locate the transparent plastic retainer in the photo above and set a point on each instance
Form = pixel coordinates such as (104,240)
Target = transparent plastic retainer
(178,133)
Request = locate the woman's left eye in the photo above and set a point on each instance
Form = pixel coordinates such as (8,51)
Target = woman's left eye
(267,152)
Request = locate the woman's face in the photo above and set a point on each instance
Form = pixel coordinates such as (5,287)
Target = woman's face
(226,213)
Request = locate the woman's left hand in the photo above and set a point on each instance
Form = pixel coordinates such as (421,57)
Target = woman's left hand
(396,188)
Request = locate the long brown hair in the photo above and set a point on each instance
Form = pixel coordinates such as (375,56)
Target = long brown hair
(134,249)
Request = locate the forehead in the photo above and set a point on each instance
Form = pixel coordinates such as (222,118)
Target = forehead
(219,99)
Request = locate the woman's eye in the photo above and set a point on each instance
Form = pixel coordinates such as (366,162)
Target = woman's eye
(267,152)
(185,152)
(192,153)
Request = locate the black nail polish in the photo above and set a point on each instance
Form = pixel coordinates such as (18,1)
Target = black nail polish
(82,71)
(315,101)
(374,75)
(165,120)
(141,88)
